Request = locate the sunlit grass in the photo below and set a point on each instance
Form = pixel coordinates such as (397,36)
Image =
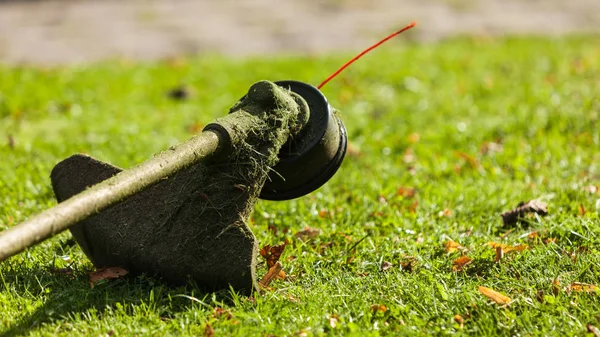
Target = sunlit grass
(475,126)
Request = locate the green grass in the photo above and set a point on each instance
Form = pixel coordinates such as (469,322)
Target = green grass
(537,99)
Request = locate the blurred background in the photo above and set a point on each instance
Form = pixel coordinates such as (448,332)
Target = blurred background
(74,31)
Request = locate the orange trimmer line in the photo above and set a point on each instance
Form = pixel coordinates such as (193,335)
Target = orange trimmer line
(409,26)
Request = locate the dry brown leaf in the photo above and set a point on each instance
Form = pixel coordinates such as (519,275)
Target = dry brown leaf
(533,206)
(555,286)
(460,320)
(308,233)
(540,296)
(378,308)
(219,312)
(408,263)
(472,161)
(413,207)
(499,254)
(460,263)
(109,273)
(582,210)
(507,249)
(452,246)
(582,288)
(281,276)
(272,253)
(407,192)
(593,330)
(386,265)
(209,331)
(271,274)
(494,295)
(324,213)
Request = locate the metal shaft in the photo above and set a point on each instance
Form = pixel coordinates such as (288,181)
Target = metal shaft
(111,191)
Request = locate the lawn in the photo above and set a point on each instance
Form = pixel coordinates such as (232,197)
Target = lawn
(443,138)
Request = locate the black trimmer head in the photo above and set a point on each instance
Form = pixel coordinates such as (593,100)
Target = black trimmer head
(283,141)
(309,159)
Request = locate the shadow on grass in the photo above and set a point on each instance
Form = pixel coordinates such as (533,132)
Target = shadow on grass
(69,295)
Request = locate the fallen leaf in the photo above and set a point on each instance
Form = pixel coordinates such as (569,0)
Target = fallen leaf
(555,287)
(271,274)
(582,288)
(109,273)
(499,254)
(452,246)
(507,249)
(333,320)
(533,206)
(281,276)
(460,263)
(540,296)
(219,312)
(460,320)
(209,331)
(308,233)
(407,192)
(386,266)
(273,229)
(413,207)
(324,213)
(378,308)
(581,210)
(494,295)
(408,263)
(352,257)
(517,248)
(472,161)
(272,253)
(593,330)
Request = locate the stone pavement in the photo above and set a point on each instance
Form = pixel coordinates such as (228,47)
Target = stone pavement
(71,31)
